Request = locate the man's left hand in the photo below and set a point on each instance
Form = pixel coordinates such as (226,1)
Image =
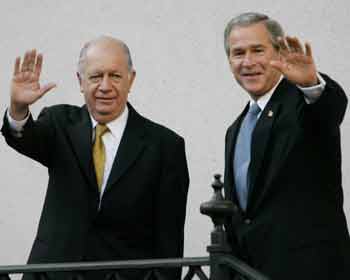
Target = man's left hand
(296,64)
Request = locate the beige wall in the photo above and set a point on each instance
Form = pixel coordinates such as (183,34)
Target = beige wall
(183,81)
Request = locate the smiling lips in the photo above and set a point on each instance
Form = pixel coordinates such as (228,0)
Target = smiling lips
(105,100)
(254,74)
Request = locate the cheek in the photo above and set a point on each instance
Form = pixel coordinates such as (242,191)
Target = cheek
(89,102)
(123,90)
(235,67)
(266,65)
(89,96)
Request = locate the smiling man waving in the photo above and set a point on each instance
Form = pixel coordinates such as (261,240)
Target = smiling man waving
(283,159)
(117,181)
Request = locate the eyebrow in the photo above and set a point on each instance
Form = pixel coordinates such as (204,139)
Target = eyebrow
(250,46)
(98,72)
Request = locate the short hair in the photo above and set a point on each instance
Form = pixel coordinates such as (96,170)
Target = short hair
(246,19)
(85,48)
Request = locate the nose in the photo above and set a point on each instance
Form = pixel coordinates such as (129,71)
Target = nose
(248,60)
(106,85)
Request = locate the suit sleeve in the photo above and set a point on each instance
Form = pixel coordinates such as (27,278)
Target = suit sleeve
(170,207)
(35,139)
(329,110)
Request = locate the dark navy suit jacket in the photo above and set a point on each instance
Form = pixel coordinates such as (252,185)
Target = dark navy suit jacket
(294,226)
(142,211)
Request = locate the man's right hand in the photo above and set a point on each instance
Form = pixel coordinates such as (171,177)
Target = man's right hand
(25,86)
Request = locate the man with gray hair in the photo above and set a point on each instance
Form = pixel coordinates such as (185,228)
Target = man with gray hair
(118,182)
(283,156)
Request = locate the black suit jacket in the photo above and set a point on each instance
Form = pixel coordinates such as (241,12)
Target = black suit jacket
(142,210)
(294,226)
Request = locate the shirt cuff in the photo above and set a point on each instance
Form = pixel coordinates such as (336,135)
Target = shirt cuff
(16,126)
(312,94)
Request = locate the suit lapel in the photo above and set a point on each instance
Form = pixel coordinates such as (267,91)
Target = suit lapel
(131,145)
(80,134)
(230,188)
(260,140)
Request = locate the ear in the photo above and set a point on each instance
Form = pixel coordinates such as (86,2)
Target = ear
(230,63)
(132,76)
(80,82)
(229,59)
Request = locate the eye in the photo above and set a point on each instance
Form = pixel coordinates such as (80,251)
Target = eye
(115,76)
(237,53)
(95,78)
(259,50)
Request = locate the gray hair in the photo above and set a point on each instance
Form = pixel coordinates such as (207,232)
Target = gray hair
(246,19)
(83,52)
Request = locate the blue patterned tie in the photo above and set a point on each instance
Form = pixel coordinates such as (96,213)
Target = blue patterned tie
(242,154)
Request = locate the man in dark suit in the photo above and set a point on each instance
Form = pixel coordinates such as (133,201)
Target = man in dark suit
(283,157)
(116,195)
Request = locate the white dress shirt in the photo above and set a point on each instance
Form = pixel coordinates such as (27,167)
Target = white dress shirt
(111,140)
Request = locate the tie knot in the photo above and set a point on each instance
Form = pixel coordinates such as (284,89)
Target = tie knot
(254,109)
(100,130)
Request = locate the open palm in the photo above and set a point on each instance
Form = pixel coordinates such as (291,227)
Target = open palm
(296,64)
(25,86)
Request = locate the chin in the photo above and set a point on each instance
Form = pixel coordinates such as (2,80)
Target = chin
(102,117)
(255,94)
(253,90)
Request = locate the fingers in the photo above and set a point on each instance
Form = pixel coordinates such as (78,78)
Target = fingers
(308,49)
(289,45)
(17,65)
(282,45)
(38,65)
(29,62)
(46,88)
(292,45)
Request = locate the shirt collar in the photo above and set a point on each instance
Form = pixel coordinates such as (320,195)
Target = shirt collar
(117,125)
(262,101)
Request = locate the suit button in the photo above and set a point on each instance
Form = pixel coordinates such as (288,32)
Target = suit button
(247,221)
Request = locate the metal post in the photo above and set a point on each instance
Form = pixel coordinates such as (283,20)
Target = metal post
(219,210)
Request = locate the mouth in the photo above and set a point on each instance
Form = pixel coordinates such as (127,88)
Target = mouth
(251,74)
(105,100)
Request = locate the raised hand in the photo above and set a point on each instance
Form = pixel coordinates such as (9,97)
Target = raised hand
(296,64)
(25,86)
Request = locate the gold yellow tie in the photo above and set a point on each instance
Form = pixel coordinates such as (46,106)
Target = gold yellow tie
(99,154)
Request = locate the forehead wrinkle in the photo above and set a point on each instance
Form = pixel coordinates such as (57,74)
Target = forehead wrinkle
(248,46)
(109,61)
(250,33)
(105,41)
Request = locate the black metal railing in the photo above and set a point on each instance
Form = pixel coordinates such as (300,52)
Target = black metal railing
(77,269)
(222,264)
